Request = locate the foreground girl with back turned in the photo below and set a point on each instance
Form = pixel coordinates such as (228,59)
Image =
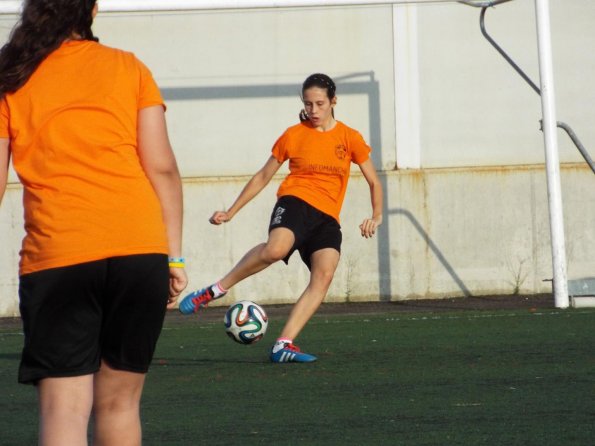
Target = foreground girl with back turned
(305,218)
(85,127)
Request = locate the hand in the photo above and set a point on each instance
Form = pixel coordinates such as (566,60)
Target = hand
(219,217)
(369,225)
(177,282)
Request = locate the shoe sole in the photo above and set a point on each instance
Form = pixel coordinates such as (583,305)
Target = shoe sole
(288,357)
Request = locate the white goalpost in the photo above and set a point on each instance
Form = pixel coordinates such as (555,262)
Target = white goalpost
(542,14)
(548,107)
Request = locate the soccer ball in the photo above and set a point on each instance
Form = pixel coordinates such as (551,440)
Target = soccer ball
(245,322)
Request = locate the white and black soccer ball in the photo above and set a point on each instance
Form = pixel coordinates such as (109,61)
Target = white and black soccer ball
(246,322)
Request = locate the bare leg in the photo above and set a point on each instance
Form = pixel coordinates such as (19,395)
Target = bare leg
(64,410)
(324,264)
(261,256)
(116,408)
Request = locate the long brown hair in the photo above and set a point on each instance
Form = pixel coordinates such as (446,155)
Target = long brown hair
(43,26)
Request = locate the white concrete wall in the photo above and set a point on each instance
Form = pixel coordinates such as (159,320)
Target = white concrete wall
(468,217)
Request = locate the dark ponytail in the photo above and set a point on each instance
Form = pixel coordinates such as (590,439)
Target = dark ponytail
(321,81)
(43,26)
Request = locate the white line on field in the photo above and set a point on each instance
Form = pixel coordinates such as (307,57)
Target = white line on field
(368,318)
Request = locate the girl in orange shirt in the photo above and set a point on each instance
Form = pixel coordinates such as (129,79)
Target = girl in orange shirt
(85,127)
(306,217)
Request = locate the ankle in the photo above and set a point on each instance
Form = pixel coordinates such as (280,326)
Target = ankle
(218,290)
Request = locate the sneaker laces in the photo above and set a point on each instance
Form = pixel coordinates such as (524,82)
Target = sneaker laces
(203,299)
(292,347)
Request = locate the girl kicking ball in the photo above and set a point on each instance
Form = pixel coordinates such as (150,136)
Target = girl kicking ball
(305,218)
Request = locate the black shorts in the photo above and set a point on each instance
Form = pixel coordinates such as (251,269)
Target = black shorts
(75,316)
(313,229)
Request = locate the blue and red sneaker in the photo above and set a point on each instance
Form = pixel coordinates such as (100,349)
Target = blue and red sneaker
(197,299)
(288,352)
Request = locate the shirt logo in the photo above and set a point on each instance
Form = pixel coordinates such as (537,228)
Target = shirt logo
(340,151)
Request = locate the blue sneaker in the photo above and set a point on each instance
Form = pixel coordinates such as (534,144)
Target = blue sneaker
(197,299)
(290,353)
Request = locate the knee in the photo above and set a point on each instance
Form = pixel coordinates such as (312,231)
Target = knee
(69,397)
(73,409)
(323,277)
(115,405)
(114,401)
(273,253)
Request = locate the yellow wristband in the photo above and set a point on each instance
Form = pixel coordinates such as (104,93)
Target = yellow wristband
(177,262)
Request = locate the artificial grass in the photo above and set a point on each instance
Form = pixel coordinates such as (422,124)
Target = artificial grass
(464,378)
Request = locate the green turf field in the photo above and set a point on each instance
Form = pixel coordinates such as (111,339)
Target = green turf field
(492,377)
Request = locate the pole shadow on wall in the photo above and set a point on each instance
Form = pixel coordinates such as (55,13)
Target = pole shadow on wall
(347,84)
(433,247)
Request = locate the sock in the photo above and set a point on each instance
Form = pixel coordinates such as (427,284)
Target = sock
(218,290)
(280,344)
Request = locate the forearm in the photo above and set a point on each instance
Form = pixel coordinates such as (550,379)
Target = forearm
(252,189)
(257,183)
(376,197)
(168,188)
(376,194)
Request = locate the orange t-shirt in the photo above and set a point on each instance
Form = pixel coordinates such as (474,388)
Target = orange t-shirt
(73,139)
(319,164)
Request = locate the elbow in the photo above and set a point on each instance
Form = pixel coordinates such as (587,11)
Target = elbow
(164,168)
